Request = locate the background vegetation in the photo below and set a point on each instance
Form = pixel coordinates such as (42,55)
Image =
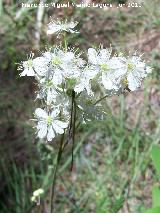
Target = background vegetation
(112,167)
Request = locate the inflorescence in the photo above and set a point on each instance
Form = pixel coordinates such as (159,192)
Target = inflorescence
(63,74)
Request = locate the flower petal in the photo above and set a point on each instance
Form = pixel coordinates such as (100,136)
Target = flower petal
(43,131)
(133,82)
(92,55)
(50,134)
(40,113)
(53,28)
(79,87)
(54,113)
(107,83)
(61,124)
(68,56)
(57,128)
(40,65)
(105,54)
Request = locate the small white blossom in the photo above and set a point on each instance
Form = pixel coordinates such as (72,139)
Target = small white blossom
(63,103)
(109,70)
(84,80)
(60,26)
(63,65)
(111,77)
(99,57)
(33,67)
(47,91)
(136,70)
(36,194)
(48,124)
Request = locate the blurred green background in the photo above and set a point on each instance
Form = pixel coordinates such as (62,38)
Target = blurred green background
(112,167)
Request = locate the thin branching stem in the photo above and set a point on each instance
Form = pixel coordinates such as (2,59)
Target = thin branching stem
(71,122)
(73,127)
(55,174)
(100,99)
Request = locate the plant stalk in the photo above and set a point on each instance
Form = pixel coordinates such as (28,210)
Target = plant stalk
(55,175)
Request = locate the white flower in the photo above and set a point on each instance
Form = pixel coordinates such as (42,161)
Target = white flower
(112,76)
(51,95)
(48,124)
(84,80)
(63,65)
(34,67)
(47,91)
(63,103)
(37,194)
(98,57)
(58,63)
(136,71)
(60,26)
(109,70)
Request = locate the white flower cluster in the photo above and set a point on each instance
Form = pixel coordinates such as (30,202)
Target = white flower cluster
(36,195)
(59,26)
(60,73)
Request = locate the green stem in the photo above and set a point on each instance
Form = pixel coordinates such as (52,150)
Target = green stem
(65,41)
(55,174)
(100,99)
(71,121)
(74,127)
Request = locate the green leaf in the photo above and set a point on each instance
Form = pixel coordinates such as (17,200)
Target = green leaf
(117,205)
(153,210)
(156,158)
(156,196)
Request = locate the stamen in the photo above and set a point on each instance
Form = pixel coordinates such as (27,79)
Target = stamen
(130,66)
(104,67)
(30,63)
(49,83)
(125,82)
(49,120)
(56,61)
